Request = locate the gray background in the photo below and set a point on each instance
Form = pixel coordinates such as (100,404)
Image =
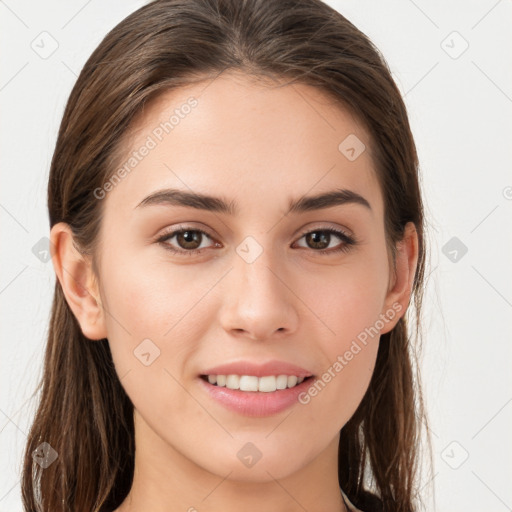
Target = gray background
(459,101)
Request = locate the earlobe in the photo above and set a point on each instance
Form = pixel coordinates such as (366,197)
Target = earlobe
(78,283)
(399,294)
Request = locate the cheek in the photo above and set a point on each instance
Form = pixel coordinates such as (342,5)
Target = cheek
(346,299)
(336,394)
(151,311)
(152,337)
(348,305)
(341,384)
(149,296)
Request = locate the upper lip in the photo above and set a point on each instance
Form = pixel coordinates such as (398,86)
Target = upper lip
(273,367)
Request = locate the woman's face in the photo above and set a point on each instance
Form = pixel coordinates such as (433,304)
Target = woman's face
(260,290)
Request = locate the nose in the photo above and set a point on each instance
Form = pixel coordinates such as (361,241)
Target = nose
(258,299)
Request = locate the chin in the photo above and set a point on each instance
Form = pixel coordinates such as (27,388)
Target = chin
(250,464)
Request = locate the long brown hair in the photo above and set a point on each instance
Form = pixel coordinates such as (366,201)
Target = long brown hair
(83,412)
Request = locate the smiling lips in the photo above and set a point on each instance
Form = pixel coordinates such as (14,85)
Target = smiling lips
(256,389)
(273,367)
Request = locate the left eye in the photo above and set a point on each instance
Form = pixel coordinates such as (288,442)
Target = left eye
(190,241)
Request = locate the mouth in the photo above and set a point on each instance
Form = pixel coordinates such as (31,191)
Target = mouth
(254,384)
(255,396)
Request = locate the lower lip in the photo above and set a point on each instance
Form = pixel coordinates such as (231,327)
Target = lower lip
(256,403)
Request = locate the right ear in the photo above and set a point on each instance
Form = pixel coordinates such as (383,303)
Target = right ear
(75,274)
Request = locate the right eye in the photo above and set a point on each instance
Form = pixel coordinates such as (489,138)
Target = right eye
(347,240)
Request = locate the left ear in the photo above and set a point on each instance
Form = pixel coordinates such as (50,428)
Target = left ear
(399,291)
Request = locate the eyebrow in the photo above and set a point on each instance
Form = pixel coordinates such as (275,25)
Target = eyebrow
(176,197)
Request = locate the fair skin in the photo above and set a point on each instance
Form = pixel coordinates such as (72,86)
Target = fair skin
(259,147)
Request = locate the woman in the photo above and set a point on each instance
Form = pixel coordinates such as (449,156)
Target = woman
(237,231)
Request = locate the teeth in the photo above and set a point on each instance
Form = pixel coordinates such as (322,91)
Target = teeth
(281,382)
(265,384)
(292,381)
(248,383)
(233,381)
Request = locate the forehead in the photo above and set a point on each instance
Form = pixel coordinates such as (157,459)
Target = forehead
(256,143)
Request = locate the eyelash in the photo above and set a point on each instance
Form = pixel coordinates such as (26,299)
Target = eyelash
(348,241)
